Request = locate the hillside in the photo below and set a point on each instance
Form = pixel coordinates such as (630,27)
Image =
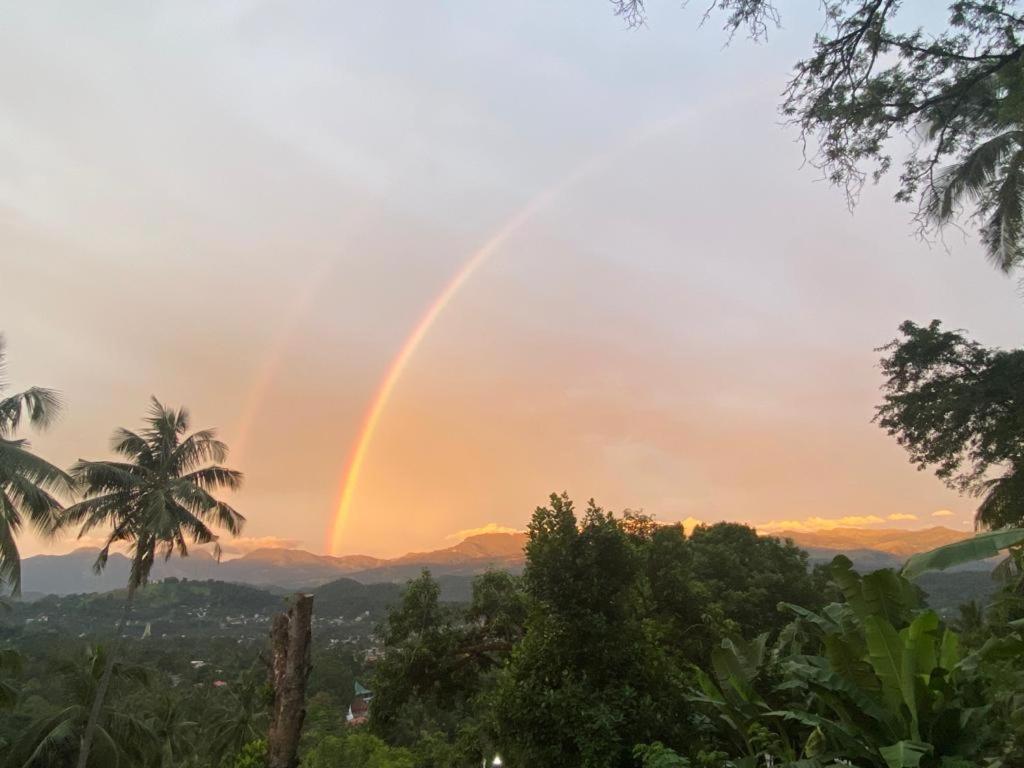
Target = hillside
(290,569)
(901,543)
(174,607)
(284,568)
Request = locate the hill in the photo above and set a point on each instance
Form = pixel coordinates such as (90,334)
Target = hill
(902,543)
(284,568)
(290,569)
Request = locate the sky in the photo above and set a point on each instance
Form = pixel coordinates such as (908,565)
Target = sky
(530,249)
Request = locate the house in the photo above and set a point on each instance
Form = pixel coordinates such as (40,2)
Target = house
(359,710)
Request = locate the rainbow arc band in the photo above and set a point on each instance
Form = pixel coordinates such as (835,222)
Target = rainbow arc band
(379,401)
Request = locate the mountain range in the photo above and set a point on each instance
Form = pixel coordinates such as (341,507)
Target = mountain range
(297,569)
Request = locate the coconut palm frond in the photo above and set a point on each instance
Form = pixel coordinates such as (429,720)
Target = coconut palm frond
(1004,229)
(28,484)
(999,505)
(215,478)
(40,405)
(198,449)
(971,179)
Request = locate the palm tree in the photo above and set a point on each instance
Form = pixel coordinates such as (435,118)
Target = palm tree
(991,176)
(10,663)
(155,501)
(174,733)
(27,482)
(53,740)
(240,717)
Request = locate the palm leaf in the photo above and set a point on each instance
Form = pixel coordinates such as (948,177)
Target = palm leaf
(972,177)
(1001,234)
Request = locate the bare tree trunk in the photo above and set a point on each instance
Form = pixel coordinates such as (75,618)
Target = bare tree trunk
(101,690)
(290,638)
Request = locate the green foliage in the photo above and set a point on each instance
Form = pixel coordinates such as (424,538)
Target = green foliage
(439,663)
(53,740)
(155,501)
(981,547)
(586,655)
(625,644)
(874,680)
(588,681)
(744,576)
(160,496)
(29,486)
(955,406)
(954,90)
(357,750)
(657,755)
(252,755)
(238,716)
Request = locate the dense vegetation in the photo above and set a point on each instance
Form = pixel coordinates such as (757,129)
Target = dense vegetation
(624,643)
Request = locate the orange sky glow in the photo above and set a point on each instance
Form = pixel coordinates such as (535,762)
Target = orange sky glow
(415,297)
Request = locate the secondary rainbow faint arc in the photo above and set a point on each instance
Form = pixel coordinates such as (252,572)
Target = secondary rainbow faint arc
(398,364)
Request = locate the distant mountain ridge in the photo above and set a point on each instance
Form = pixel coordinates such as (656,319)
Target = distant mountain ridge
(288,568)
(295,568)
(902,543)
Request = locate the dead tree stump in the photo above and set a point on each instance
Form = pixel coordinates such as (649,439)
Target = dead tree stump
(290,639)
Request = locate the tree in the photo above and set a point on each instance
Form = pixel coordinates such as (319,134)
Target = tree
(419,684)
(958,407)
(54,741)
(27,482)
(745,576)
(154,501)
(432,686)
(724,580)
(954,91)
(172,730)
(588,681)
(239,718)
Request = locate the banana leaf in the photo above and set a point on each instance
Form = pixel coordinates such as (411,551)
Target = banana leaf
(980,547)
(905,754)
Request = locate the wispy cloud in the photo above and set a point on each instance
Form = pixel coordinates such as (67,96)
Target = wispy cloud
(489,528)
(942,513)
(901,516)
(811,524)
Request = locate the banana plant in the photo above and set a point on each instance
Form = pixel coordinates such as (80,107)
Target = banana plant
(881,685)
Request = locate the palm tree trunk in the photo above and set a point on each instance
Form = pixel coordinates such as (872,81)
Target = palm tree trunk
(101,690)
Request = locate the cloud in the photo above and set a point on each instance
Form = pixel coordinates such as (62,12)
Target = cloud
(244,544)
(902,516)
(690,523)
(942,513)
(489,528)
(811,524)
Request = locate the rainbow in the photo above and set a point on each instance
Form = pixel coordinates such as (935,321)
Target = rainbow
(294,312)
(272,361)
(379,401)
